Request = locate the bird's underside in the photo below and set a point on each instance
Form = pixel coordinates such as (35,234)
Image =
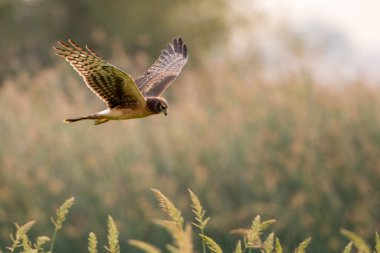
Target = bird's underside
(125,97)
(118,113)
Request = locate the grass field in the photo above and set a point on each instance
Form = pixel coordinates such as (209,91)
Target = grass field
(292,149)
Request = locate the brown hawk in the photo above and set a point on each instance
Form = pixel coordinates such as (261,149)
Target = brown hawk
(125,97)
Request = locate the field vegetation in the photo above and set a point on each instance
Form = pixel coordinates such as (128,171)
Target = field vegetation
(248,134)
(296,150)
(252,238)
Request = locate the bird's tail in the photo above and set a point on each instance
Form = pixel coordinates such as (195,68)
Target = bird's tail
(76,119)
(98,119)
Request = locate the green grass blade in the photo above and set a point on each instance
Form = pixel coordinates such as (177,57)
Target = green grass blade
(302,246)
(278,246)
(359,243)
(211,244)
(377,243)
(144,246)
(113,237)
(348,248)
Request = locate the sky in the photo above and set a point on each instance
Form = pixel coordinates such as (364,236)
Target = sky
(358,20)
(350,26)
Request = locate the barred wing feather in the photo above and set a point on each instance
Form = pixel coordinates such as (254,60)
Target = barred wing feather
(164,70)
(112,85)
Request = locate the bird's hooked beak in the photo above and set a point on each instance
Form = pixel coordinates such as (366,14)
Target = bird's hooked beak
(165,111)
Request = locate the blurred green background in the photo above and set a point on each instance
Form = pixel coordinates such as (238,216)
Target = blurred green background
(259,123)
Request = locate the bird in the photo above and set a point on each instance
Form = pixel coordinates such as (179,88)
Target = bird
(125,97)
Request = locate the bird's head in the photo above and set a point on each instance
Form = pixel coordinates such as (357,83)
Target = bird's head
(157,105)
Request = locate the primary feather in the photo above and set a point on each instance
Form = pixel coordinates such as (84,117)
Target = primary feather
(164,70)
(112,85)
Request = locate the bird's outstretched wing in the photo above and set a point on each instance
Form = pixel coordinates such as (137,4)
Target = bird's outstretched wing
(112,85)
(164,70)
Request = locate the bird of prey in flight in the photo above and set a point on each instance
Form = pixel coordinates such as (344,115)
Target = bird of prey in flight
(125,97)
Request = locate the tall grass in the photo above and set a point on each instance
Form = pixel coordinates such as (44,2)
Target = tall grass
(181,235)
(292,149)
